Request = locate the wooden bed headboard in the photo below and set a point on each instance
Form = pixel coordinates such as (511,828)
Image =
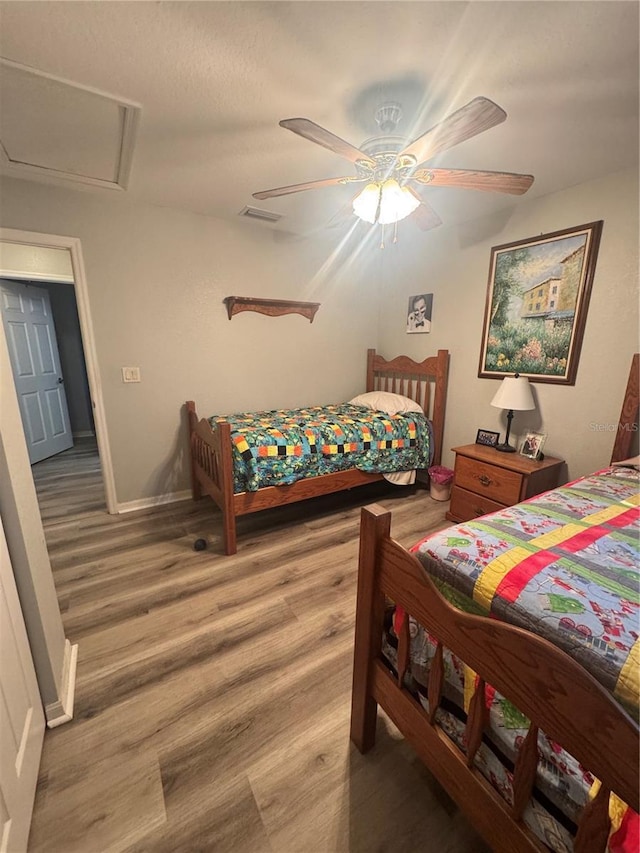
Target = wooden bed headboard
(628,424)
(422,381)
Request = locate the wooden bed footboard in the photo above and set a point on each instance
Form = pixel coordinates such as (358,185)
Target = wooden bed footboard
(549,687)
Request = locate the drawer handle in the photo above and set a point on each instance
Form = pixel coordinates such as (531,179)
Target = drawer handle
(486,481)
(478,510)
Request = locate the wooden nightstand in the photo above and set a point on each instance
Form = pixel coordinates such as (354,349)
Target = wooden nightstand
(487,480)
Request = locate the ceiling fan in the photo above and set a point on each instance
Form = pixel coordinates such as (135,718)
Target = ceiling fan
(393,172)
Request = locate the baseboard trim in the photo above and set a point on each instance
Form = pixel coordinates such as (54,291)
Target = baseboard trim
(158,500)
(61,711)
(84,433)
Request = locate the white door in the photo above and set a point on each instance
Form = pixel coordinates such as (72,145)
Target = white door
(21,716)
(31,338)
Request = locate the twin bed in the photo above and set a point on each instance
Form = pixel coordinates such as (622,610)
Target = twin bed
(528,718)
(254,461)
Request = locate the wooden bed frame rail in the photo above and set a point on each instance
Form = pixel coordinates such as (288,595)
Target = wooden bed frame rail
(211,448)
(548,686)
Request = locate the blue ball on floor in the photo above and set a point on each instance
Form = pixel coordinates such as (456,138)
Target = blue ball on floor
(200,545)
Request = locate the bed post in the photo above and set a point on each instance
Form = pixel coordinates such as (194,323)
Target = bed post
(196,491)
(370,386)
(229,536)
(439,401)
(628,423)
(375,525)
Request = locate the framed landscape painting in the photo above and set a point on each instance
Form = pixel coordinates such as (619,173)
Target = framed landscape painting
(537,301)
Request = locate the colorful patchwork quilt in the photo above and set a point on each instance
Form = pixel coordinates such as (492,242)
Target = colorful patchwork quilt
(277,447)
(564,565)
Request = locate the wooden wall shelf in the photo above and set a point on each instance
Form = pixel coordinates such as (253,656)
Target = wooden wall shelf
(270,307)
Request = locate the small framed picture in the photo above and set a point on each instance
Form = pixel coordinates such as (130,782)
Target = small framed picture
(487,437)
(419,313)
(532,445)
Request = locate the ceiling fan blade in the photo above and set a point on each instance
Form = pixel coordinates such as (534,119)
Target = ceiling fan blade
(475,117)
(467,179)
(424,216)
(310,185)
(314,133)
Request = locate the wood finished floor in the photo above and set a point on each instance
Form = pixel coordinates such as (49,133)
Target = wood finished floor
(213,693)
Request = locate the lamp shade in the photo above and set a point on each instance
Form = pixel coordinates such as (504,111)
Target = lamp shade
(366,203)
(514,393)
(397,203)
(384,202)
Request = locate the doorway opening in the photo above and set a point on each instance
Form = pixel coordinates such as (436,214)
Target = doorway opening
(27,256)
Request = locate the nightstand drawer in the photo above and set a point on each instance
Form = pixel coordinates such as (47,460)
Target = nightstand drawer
(467,505)
(488,480)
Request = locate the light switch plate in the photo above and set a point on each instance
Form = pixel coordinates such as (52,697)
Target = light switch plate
(131,374)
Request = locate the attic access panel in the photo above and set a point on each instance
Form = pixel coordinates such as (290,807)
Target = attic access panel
(55,128)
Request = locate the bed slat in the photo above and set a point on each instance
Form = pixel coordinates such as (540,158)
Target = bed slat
(436,681)
(594,826)
(404,645)
(525,772)
(205,458)
(482,804)
(476,721)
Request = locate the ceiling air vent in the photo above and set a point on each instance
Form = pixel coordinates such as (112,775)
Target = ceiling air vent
(257,213)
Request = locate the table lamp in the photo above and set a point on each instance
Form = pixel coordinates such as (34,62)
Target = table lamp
(514,394)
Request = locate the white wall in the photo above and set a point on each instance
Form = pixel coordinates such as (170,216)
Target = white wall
(453,263)
(156,280)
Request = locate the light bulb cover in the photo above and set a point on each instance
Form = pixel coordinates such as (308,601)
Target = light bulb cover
(384,202)
(365,204)
(397,203)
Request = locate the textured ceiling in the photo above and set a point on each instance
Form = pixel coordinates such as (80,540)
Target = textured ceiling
(214,78)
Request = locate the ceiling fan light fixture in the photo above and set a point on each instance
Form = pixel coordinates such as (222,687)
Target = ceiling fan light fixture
(365,204)
(384,202)
(396,203)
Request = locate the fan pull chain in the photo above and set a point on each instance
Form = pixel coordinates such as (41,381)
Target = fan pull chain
(395,232)
(382,238)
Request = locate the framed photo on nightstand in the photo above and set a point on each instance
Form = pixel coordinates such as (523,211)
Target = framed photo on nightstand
(488,438)
(531,446)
